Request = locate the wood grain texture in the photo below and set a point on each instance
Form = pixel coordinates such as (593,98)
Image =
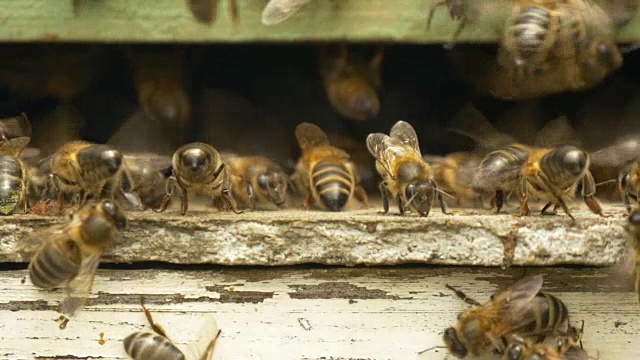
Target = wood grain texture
(301,312)
(170,20)
(469,237)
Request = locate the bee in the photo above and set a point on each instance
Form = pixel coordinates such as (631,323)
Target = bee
(257,181)
(324,174)
(160,80)
(351,85)
(520,309)
(13,174)
(277,11)
(206,11)
(468,11)
(633,229)
(84,169)
(405,175)
(71,255)
(198,167)
(562,347)
(156,345)
(454,174)
(15,127)
(143,178)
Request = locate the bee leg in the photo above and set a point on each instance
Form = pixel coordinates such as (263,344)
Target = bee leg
(231,203)
(235,16)
(463,296)
(432,11)
(169,194)
(499,200)
(252,196)
(308,201)
(443,205)
(361,195)
(544,209)
(226,192)
(184,201)
(385,196)
(556,193)
(456,35)
(588,194)
(400,205)
(156,327)
(209,351)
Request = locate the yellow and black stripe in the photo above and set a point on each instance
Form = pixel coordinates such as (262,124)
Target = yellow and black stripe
(11,183)
(144,345)
(548,313)
(333,183)
(54,263)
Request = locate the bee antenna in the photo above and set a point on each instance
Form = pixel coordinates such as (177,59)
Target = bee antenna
(431,348)
(445,193)
(606,182)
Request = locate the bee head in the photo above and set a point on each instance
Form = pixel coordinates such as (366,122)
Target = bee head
(454,344)
(420,196)
(573,159)
(365,104)
(195,161)
(275,184)
(114,213)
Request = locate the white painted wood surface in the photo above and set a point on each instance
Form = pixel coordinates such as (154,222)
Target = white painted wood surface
(301,313)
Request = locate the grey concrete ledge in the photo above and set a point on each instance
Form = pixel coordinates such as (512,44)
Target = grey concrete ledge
(469,237)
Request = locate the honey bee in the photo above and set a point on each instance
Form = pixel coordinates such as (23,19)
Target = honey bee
(521,309)
(71,255)
(277,11)
(143,345)
(160,80)
(351,86)
(633,229)
(198,167)
(406,176)
(454,175)
(257,181)
(143,178)
(561,347)
(324,174)
(13,174)
(206,11)
(84,169)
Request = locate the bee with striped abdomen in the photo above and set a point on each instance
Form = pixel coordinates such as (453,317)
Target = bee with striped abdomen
(71,255)
(257,181)
(407,178)
(324,174)
(197,167)
(351,85)
(14,180)
(84,169)
(521,309)
(156,345)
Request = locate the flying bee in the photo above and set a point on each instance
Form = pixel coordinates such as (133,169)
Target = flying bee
(71,255)
(198,167)
(206,11)
(143,345)
(257,181)
(351,85)
(142,180)
(324,174)
(84,169)
(633,229)
(520,309)
(406,177)
(277,11)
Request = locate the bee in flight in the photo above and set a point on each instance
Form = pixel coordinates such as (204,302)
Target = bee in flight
(71,255)
(257,180)
(406,176)
(14,181)
(324,174)
(197,167)
(144,345)
(521,309)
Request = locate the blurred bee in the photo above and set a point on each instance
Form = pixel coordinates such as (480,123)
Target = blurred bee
(454,175)
(143,178)
(324,174)
(257,181)
(351,85)
(521,309)
(15,127)
(156,345)
(206,11)
(621,11)
(468,11)
(160,79)
(14,137)
(406,176)
(198,167)
(633,229)
(563,347)
(71,255)
(84,169)
(278,11)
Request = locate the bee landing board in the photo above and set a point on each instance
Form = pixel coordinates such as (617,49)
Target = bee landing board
(469,237)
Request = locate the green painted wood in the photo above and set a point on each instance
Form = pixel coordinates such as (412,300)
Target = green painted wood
(170,20)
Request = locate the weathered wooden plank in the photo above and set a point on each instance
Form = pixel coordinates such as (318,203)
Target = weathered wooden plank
(317,313)
(170,20)
(469,237)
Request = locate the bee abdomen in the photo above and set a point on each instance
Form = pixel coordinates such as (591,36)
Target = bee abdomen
(333,183)
(549,314)
(55,263)
(531,29)
(10,184)
(148,346)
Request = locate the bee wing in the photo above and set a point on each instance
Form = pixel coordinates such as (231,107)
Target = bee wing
(150,161)
(310,136)
(621,152)
(512,302)
(470,122)
(15,127)
(13,147)
(556,132)
(406,134)
(79,288)
(386,150)
(206,331)
(278,11)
